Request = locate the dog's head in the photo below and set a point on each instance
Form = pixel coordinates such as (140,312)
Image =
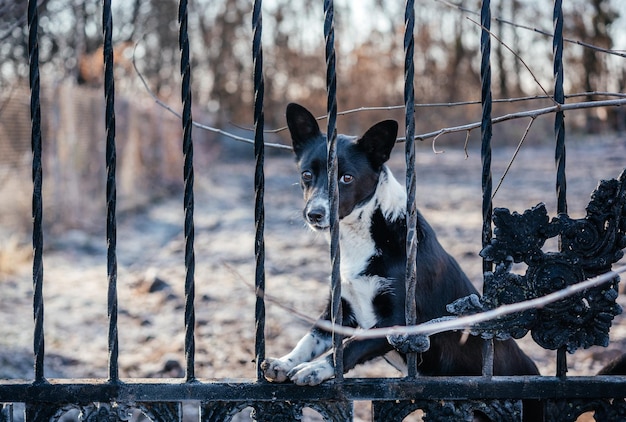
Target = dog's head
(360,161)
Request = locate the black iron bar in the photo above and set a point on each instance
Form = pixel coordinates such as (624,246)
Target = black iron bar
(435,388)
(411,179)
(37,202)
(259,185)
(559,133)
(188,198)
(485,153)
(111,190)
(333,188)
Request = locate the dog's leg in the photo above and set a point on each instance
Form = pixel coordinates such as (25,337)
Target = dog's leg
(312,345)
(313,373)
(355,352)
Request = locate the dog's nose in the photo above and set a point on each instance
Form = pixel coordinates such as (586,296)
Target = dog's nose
(315,216)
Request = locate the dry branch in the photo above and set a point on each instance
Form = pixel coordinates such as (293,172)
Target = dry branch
(464,323)
(539,31)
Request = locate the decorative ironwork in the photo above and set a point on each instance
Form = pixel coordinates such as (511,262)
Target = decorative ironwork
(571,410)
(453,410)
(589,246)
(217,411)
(105,412)
(6,412)
(276,411)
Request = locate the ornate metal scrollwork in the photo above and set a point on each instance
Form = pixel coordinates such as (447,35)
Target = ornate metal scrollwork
(588,247)
(215,411)
(276,411)
(451,410)
(6,412)
(106,412)
(571,409)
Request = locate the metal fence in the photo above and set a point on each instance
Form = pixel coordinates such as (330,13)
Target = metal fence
(588,248)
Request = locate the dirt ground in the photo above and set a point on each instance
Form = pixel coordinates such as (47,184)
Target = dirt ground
(151,266)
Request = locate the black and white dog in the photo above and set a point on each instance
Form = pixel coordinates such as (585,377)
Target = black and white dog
(372,208)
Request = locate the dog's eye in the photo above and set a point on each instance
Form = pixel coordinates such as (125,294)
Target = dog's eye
(346,178)
(307,176)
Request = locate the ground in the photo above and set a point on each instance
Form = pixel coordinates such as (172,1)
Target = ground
(151,270)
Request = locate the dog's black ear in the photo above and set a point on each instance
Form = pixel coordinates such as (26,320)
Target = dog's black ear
(302,126)
(379,140)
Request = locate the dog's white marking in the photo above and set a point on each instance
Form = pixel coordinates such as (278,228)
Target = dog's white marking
(395,360)
(360,292)
(390,195)
(308,348)
(312,373)
(356,243)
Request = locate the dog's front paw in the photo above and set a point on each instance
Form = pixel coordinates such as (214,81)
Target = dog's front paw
(312,373)
(276,369)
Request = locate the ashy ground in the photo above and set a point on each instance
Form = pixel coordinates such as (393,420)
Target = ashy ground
(151,265)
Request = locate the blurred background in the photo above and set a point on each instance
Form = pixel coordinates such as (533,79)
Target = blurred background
(370,65)
(370,61)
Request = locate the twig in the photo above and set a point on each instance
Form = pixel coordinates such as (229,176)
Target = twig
(468,127)
(448,105)
(539,31)
(269,298)
(196,124)
(443,324)
(517,56)
(519,146)
(465,145)
(519,115)
(462,323)
(434,145)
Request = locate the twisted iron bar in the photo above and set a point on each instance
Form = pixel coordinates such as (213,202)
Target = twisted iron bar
(188,199)
(37,201)
(333,188)
(559,132)
(485,153)
(259,185)
(486,125)
(111,190)
(411,179)
(559,97)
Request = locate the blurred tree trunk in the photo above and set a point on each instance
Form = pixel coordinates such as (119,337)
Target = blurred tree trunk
(517,66)
(502,74)
(594,31)
(455,62)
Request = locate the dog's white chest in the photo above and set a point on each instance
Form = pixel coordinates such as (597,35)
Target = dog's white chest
(360,293)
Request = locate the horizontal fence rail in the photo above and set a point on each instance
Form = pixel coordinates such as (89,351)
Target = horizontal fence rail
(588,247)
(428,388)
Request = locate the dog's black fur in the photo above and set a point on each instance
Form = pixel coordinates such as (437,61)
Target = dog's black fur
(372,213)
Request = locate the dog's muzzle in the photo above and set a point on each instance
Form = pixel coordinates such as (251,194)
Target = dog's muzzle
(316,214)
